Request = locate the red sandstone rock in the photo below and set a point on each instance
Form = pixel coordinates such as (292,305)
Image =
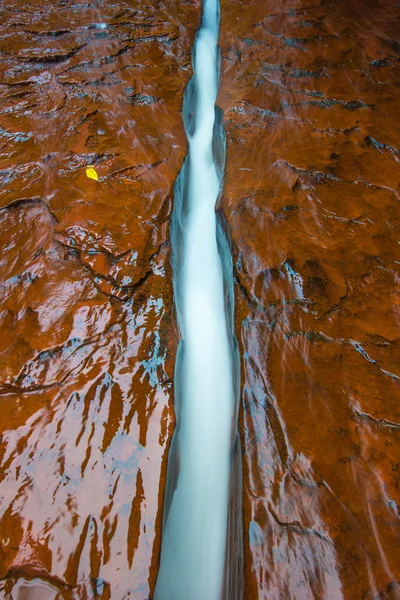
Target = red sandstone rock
(87,343)
(312,199)
(87,334)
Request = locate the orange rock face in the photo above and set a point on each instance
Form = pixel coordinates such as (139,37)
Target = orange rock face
(310,94)
(87,330)
(87,337)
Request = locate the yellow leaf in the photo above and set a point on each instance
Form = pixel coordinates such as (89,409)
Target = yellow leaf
(92,173)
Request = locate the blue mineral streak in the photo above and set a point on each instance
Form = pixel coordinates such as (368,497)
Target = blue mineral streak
(204,459)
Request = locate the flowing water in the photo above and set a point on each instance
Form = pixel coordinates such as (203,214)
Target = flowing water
(194,543)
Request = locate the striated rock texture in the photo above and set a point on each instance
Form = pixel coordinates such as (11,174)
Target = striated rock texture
(87,336)
(311,100)
(310,90)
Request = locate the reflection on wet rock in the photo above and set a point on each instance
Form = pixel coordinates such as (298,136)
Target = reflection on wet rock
(309,91)
(33,589)
(87,339)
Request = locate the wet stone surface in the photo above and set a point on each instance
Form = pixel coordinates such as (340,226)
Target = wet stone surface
(87,334)
(310,94)
(87,329)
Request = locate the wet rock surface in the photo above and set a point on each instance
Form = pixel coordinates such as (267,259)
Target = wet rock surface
(88,336)
(310,94)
